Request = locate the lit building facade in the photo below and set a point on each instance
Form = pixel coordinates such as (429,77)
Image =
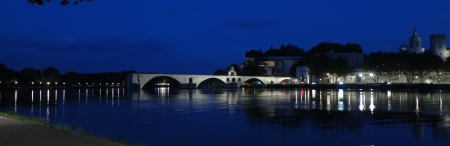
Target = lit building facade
(354,59)
(279,65)
(438,46)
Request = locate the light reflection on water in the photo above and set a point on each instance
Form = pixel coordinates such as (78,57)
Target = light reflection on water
(243,116)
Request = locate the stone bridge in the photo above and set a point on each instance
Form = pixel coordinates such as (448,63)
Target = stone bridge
(138,80)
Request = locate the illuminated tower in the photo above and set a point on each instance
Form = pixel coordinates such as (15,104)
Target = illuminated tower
(415,43)
(438,46)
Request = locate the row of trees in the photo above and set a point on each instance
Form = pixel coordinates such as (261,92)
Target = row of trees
(288,50)
(316,59)
(33,76)
(321,65)
(410,65)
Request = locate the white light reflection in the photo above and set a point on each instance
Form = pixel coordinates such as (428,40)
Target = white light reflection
(15,100)
(349,105)
(417,106)
(48,97)
(341,98)
(328,102)
(313,94)
(87,92)
(32,99)
(389,95)
(56,96)
(112,96)
(100,96)
(440,102)
(320,100)
(107,96)
(79,96)
(296,102)
(163,94)
(372,106)
(361,101)
(64,95)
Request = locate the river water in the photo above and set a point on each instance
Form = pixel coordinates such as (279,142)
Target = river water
(164,116)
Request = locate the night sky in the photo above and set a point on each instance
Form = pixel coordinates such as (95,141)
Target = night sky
(200,36)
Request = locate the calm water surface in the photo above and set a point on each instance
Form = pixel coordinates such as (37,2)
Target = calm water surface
(243,117)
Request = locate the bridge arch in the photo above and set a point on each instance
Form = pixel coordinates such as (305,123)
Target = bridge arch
(162,81)
(253,82)
(287,81)
(211,82)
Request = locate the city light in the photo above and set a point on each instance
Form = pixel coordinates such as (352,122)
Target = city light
(371,74)
(32,83)
(48,83)
(15,82)
(360,75)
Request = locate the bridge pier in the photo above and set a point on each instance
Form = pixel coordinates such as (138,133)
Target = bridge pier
(231,86)
(189,86)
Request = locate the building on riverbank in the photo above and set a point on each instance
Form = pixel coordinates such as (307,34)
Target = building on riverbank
(438,45)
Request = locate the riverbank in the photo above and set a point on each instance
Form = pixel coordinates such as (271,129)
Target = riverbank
(413,87)
(18,132)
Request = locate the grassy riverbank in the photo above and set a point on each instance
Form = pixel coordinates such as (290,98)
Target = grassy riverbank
(42,122)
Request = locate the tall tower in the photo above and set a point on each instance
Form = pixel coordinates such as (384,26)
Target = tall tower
(415,42)
(438,46)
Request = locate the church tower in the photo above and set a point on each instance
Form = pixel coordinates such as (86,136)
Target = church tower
(415,43)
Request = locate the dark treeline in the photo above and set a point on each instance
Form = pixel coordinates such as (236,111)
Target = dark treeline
(293,50)
(316,59)
(52,76)
(288,50)
(410,65)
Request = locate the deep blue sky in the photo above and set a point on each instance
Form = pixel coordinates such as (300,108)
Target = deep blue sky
(200,36)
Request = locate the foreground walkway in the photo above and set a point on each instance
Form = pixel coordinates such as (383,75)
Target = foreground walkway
(19,133)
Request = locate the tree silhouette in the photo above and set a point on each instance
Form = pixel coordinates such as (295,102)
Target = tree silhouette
(51,74)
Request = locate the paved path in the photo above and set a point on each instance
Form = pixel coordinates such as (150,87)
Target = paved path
(19,133)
